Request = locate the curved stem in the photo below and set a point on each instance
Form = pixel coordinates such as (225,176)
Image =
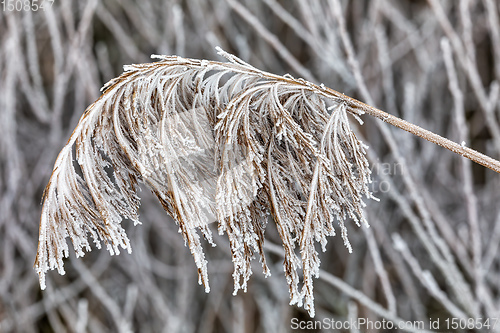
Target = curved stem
(464,151)
(238,65)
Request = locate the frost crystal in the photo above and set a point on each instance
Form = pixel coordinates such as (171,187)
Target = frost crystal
(233,146)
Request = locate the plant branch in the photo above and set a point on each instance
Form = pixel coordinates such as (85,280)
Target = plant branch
(460,149)
(352,103)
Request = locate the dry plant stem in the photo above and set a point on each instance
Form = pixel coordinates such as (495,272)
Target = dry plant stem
(352,103)
(397,262)
(395,121)
(464,151)
(467,152)
(380,270)
(271,39)
(466,169)
(426,278)
(462,51)
(456,281)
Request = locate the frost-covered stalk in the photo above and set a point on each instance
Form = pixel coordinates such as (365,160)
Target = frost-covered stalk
(213,141)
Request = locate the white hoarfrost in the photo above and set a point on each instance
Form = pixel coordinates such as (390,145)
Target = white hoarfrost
(215,142)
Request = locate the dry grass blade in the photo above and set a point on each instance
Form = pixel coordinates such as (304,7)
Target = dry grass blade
(219,142)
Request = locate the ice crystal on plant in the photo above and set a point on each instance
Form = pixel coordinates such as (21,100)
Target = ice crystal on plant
(213,141)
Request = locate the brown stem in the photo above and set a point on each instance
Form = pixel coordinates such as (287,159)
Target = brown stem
(471,154)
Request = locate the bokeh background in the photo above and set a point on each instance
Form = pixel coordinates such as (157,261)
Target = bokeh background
(431,251)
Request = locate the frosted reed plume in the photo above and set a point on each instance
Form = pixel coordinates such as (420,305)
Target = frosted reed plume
(211,140)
